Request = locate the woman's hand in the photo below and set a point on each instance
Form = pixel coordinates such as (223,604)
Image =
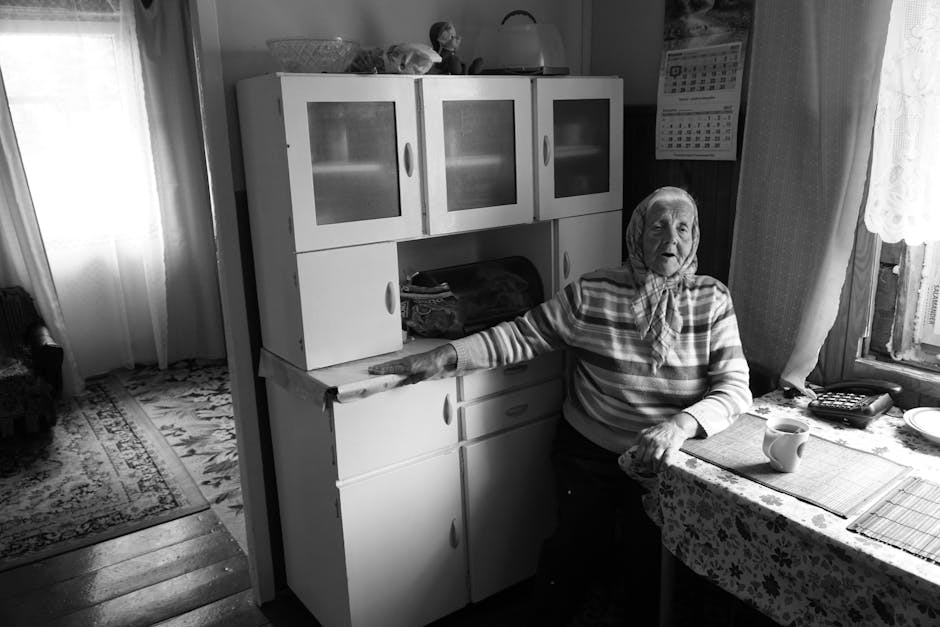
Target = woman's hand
(657,444)
(432,364)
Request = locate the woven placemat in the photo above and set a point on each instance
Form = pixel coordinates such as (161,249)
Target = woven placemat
(837,478)
(908,518)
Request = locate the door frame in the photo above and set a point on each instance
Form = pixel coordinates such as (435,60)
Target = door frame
(249,425)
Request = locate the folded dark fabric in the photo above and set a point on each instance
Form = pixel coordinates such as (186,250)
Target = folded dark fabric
(459,300)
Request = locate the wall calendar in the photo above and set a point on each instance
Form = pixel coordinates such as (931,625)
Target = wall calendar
(698,103)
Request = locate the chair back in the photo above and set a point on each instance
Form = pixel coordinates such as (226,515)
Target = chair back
(17,314)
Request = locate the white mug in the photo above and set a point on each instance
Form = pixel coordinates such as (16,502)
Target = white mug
(784,441)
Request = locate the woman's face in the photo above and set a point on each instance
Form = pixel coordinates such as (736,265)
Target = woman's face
(667,236)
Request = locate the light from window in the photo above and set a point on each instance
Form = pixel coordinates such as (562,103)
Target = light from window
(79,136)
(902,203)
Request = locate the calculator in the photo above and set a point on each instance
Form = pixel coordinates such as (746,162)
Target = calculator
(856,403)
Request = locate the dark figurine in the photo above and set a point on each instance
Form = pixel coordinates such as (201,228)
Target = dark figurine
(445,41)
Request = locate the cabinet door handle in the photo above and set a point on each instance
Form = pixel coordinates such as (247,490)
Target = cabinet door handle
(546,150)
(517,410)
(409,160)
(390,297)
(515,369)
(454,536)
(448,410)
(565,265)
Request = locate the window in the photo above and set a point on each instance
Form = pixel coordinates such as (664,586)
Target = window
(902,338)
(73,79)
(79,127)
(905,327)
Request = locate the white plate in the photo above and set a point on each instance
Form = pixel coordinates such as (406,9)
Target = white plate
(925,421)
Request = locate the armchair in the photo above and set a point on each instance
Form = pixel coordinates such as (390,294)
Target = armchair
(30,366)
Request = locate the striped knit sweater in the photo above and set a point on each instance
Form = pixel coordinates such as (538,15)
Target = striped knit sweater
(614,393)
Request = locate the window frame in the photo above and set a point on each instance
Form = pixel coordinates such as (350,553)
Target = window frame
(921,385)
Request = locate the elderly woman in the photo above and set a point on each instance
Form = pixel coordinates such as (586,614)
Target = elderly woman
(656,360)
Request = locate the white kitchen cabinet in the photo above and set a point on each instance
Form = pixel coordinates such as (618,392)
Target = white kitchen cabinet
(390,502)
(399,505)
(510,505)
(579,145)
(478,152)
(332,159)
(372,519)
(586,243)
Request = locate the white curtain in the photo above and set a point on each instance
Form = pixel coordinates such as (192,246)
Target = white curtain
(905,188)
(810,111)
(116,205)
(194,311)
(22,254)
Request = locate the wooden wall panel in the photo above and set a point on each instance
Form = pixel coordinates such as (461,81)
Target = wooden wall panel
(714,185)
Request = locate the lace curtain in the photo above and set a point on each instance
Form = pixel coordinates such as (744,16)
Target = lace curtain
(904,193)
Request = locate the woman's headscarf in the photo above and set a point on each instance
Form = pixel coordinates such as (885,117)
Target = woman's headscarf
(657,316)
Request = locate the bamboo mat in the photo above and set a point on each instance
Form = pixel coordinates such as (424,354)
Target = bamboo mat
(908,518)
(837,478)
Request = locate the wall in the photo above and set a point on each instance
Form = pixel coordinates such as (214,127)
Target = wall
(627,41)
(245,25)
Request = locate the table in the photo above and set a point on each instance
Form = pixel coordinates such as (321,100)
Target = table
(796,562)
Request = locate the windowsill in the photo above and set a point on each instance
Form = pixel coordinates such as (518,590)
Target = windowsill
(920,382)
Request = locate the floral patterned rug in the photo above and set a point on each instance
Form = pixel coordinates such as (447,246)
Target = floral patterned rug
(191,404)
(100,471)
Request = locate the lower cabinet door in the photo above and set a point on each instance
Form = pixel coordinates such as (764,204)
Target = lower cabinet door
(510,505)
(405,546)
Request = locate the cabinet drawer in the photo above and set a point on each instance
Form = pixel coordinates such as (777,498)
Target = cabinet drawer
(489,382)
(394,426)
(510,409)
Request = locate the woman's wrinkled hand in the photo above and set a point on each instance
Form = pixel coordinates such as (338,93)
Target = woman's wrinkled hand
(657,445)
(433,364)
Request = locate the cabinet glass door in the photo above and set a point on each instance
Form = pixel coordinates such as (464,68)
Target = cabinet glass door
(580,145)
(352,154)
(478,152)
(354,161)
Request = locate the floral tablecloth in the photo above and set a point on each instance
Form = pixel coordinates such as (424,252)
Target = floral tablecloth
(795,562)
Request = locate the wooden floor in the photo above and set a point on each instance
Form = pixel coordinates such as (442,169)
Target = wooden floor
(187,572)
(191,572)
